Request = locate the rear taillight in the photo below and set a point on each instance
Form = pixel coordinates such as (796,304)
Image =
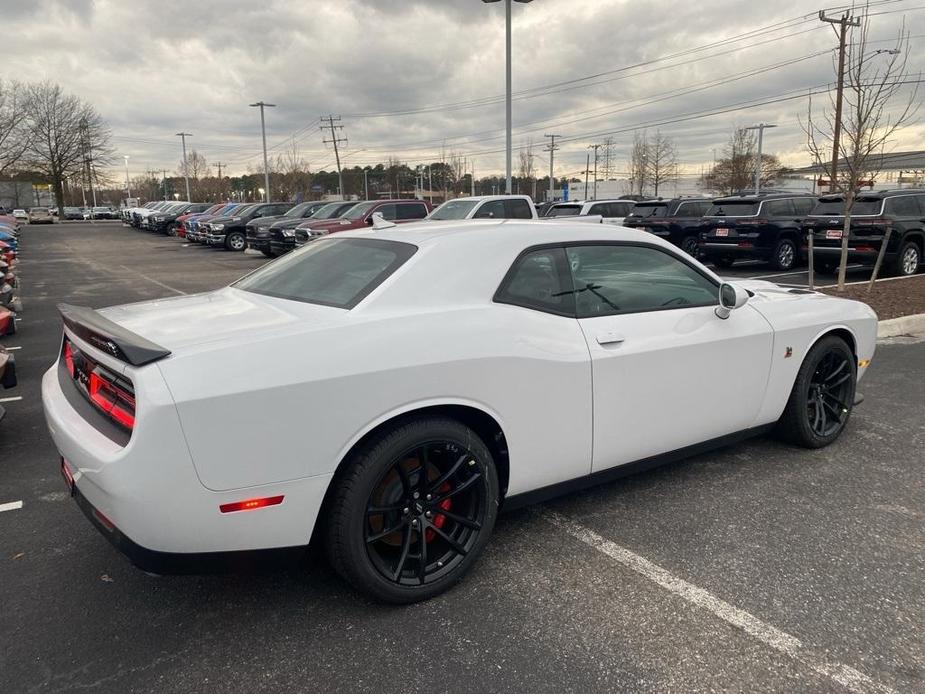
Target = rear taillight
(110,393)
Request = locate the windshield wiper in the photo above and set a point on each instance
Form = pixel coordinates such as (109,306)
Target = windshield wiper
(591,287)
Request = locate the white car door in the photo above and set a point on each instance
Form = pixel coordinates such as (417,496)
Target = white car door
(667,372)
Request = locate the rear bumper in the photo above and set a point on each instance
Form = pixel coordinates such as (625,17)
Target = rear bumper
(834,253)
(732,250)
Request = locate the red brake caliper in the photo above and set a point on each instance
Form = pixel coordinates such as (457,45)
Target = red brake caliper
(440,519)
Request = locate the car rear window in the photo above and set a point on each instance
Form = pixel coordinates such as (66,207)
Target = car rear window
(744,208)
(563,211)
(330,272)
(454,209)
(647,210)
(836,206)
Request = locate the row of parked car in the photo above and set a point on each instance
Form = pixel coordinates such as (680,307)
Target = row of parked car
(773,227)
(10,229)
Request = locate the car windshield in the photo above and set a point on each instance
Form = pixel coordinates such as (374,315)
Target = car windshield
(836,206)
(735,208)
(331,211)
(330,272)
(654,209)
(39,210)
(454,209)
(360,210)
(299,209)
(563,211)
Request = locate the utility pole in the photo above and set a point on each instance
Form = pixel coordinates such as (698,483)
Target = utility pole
(335,140)
(365,183)
(430,186)
(587,171)
(608,159)
(595,148)
(164,171)
(128,188)
(472,179)
(221,188)
(183,137)
(843,22)
(88,153)
(760,128)
(551,148)
(266,166)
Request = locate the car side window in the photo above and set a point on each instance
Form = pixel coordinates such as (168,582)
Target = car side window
(620,209)
(493,208)
(518,209)
(601,208)
(778,208)
(803,206)
(411,210)
(903,206)
(539,280)
(614,279)
(388,212)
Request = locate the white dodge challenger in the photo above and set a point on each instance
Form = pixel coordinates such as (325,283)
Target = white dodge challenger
(388,390)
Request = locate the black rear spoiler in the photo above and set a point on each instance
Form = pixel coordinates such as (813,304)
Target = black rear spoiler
(110,337)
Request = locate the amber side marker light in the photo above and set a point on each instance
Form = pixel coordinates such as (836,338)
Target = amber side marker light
(863,363)
(251,504)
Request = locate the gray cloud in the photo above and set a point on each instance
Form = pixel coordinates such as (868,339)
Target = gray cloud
(154,68)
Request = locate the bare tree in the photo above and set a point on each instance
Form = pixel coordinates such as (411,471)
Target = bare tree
(66,136)
(875,107)
(14,133)
(662,158)
(639,163)
(736,169)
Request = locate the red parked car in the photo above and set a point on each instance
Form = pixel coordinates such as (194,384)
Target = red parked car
(361,215)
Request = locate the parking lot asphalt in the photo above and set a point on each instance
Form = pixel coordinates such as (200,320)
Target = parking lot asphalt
(758,567)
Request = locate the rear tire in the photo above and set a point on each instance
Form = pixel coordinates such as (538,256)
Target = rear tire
(784,256)
(822,398)
(691,246)
(401,473)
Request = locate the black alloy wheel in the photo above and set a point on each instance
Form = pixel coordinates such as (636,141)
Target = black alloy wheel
(411,513)
(823,395)
(691,246)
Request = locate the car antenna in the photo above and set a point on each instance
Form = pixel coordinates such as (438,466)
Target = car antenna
(380,222)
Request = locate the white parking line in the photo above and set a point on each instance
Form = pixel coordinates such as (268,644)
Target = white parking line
(779,274)
(13,399)
(848,677)
(151,279)
(11,506)
(12,349)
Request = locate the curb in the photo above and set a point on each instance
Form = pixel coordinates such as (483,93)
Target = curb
(904,325)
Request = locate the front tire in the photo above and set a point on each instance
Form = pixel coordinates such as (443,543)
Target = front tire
(413,510)
(235,241)
(822,398)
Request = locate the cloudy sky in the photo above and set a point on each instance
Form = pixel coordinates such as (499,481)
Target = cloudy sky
(412,78)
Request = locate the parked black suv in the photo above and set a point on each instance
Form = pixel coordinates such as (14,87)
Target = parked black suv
(258,230)
(902,211)
(230,233)
(677,220)
(766,227)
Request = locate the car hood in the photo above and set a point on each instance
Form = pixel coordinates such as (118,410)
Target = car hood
(333,224)
(228,314)
(224,219)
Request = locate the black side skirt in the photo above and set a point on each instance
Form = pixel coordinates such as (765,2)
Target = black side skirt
(609,475)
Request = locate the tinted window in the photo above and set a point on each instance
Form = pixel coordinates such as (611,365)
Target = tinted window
(388,212)
(778,208)
(620,209)
(492,208)
(733,209)
(332,272)
(411,210)
(836,206)
(614,279)
(905,206)
(538,280)
(643,209)
(518,209)
(601,208)
(691,209)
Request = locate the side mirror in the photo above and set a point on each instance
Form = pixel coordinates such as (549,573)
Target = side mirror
(731,297)
(369,220)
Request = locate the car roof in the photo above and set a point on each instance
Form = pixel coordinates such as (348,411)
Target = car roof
(762,196)
(476,198)
(876,193)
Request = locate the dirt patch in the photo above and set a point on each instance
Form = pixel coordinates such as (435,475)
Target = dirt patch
(891,298)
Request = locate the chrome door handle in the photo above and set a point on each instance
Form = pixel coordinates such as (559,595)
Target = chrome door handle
(610,338)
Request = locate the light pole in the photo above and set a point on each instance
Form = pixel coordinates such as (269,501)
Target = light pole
(760,128)
(183,137)
(128,188)
(507,100)
(266,166)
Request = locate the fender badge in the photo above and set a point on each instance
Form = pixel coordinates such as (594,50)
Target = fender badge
(788,353)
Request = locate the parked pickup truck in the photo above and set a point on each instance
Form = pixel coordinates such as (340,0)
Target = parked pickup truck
(486,207)
(282,233)
(230,232)
(361,215)
(258,230)
(610,211)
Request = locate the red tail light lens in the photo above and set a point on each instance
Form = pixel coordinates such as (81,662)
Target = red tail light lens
(68,357)
(111,394)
